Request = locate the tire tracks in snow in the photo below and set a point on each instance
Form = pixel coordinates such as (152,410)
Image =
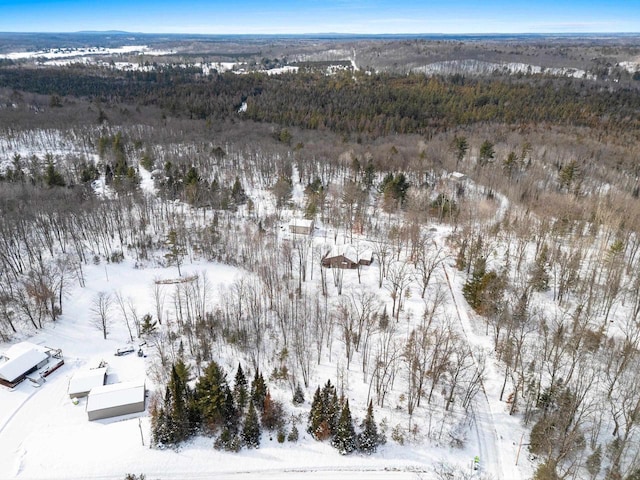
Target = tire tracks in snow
(16,411)
(272,473)
(488,438)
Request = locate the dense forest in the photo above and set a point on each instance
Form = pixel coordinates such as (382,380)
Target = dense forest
(348,103)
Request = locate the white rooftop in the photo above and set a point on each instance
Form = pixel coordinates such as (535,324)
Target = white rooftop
(350,252)
(21,347)
(20,360)
(301,222)
(85,380)
(115,395)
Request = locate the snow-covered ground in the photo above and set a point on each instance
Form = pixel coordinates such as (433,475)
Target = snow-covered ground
(479,67)
(44,435)
(59,53)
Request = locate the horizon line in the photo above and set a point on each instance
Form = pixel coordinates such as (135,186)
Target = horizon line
(126,32)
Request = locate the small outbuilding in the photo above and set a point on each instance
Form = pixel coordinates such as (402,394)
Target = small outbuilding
(301,226)
(83,381)
(458,177)
(116,399)
(21,360)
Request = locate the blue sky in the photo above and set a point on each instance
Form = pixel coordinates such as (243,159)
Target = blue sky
(314,16)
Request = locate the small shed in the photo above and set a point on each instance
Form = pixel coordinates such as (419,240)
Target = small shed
(457,177)
(116,399)
(83,381)
(21,360)
(301,226)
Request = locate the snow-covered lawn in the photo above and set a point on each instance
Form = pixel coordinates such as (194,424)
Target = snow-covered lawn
(43,434)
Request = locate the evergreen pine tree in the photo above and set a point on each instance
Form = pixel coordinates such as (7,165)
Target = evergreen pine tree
(293,434)
(258,390)
(148,326)
(240,389)
(237,192)
(315,414)
(368,440)
(344,439)
(160,434)
(298,395)
(487,153)
(163,427)
(324,413)
(178,412)
(53,178)
(211,396)
(230,414)
(472,290)
(539,275)
(330,407)
(251,428)
(228,441)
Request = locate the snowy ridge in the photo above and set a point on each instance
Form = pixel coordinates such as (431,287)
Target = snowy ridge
(53,53)
(479,67)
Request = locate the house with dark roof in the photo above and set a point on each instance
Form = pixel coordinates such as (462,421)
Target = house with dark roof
(346,256)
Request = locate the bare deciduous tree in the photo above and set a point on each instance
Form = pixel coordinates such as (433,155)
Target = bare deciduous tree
(100,310)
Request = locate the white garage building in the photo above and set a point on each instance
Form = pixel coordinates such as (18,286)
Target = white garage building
(116,399)
(83,381)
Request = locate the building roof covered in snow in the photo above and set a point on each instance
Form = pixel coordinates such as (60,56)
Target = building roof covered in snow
(301,222)
(22,359)
(301,225)
(348,254)
(116,399)
(83,381)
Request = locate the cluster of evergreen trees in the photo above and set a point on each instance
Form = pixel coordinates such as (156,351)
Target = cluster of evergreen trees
(330,418)
(35,171)
(182,182)
(236,415)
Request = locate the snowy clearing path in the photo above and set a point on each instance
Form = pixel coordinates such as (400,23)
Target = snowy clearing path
(16,410)
(337,473)
(490,441)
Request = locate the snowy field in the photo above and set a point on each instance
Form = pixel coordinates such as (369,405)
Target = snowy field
(43,435)
(59,53)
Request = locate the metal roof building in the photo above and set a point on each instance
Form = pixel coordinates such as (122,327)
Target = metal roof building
(116,399)
(83,381)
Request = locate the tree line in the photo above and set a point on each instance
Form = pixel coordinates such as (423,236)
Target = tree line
(350,103)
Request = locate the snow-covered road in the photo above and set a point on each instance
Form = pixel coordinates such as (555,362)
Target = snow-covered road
(494,449)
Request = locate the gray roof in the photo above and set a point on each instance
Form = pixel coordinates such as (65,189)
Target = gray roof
(115,395)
